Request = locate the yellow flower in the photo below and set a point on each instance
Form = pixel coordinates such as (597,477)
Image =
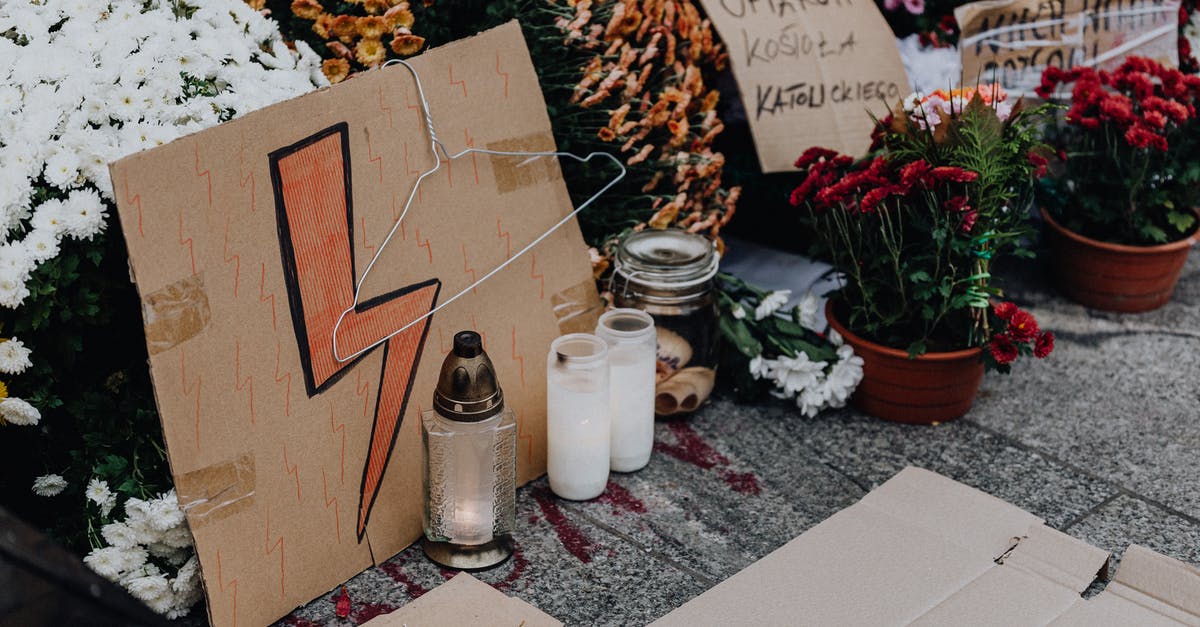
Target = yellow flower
(405,44)
(370,52)
(307,9)
(372,27)
(374,7)
(345,28)
(336,70)
(399,16)
(323,25)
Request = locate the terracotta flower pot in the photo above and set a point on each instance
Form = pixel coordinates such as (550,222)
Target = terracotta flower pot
(934,387)
(1114,277)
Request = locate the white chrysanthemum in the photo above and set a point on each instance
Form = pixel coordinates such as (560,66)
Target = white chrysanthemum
(18,412)
(62,169)
(84,214)
(795,374)
(49,485)
(760,368)
(812,399)
(165,513)
(112,562)
(809,306)
(154,591)
(771,303)
(119,534)
(14,356)
(97,491)
(41,245)
(738,312)
(178,537)
(844,377)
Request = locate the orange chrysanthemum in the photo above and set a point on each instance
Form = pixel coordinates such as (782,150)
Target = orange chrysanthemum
(336,70)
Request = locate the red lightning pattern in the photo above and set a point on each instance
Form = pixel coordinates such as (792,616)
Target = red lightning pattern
(463,82)
(292,469)
(471,144)
(507,239)
(264,296)
(442,342)
(364,391)
(425,244)
(136,200)
(467,269)
(412,107)
(520,359)
(335,428)
(337,515)
(187,242)
(366,244)
(205,173)
(237,259)
(233,584)
(238,382)
(287,376)
(533,274)
(482,335)
(187,389)
(504,74)
(246,177)
(270,548)
(387,110)
(374,158)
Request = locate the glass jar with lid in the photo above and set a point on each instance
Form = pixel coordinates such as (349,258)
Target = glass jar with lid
(670,275)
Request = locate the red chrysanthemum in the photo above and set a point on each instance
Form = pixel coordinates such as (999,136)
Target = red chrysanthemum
(1044,345)
(814,154)
(1039,164)
(1004,310)
(1003,350)
(956,204)
(950,174)
(968,221)
(1022,327)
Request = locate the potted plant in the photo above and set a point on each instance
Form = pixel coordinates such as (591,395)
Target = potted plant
(1120,213)
(914,228)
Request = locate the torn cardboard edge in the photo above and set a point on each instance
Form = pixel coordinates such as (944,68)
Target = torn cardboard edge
(464,601)
(923,549)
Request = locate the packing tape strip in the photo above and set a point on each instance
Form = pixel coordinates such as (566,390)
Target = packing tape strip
(218,491)
(175,313)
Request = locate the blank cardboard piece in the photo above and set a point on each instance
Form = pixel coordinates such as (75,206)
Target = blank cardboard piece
(296,471)
(464,601)
(922,549)
(1014,41)
(809,72)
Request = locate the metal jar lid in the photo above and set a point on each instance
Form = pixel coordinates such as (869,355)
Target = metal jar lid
(467,390)
(665,261)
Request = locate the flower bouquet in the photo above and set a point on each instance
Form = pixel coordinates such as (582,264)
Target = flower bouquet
(783,348)
(914,229)
(1129,182)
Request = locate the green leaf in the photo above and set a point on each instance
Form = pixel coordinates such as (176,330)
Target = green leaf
(738,334)
(920,276)
(1181,220)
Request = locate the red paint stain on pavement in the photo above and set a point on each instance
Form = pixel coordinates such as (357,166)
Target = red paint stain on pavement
(621,500)
(519,564)
(395,570)
(572,538)
(691,448)
(370,610)
(744,482)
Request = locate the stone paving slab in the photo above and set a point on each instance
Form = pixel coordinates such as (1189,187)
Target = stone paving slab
(1102,440)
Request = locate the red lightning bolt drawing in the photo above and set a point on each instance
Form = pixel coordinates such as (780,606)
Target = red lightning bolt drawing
(314,206)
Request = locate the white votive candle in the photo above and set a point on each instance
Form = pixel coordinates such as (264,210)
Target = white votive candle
(631,341)
(578,427)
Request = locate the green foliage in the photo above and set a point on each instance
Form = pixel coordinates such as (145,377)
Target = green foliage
(917,274)
(1112,191)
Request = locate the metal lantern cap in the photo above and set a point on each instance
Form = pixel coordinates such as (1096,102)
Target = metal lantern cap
(467,390)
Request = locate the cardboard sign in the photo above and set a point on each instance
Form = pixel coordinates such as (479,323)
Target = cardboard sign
(464,601)
(1014,41)
(808,72)
(297,470)
(922,549)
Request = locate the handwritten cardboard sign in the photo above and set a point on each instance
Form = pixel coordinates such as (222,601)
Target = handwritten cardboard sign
(297,470)
(1014,41)
(809,71)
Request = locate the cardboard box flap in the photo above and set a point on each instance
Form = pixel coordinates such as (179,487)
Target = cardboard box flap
(959,513)
(1159,583)
(1057,557)
(464,601)
(992,599)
